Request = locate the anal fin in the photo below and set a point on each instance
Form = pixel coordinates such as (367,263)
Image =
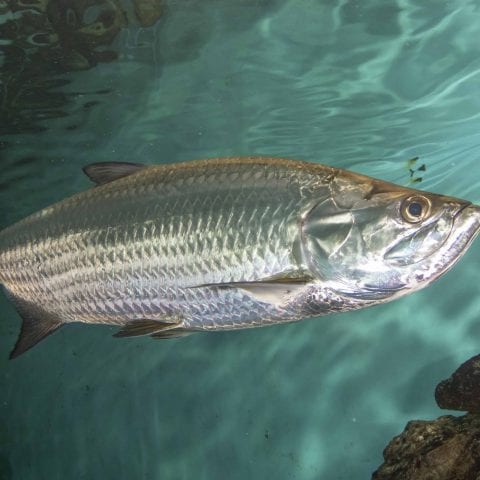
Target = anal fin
(136,328)
(36,325)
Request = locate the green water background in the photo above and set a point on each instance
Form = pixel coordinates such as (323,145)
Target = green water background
(363,85)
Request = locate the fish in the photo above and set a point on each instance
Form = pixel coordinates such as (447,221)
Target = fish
(222,244)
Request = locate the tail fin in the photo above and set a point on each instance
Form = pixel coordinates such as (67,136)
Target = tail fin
(36,325)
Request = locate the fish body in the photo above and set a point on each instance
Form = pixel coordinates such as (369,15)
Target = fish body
(224,244)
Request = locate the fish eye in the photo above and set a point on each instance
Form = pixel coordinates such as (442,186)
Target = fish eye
(415,209)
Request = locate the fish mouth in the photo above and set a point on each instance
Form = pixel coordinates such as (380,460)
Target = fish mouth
(468,220)
(465,228)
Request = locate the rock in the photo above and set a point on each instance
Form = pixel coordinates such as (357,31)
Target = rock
(462,390)
(447,448)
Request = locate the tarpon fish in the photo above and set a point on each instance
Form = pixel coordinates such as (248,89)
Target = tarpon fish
(223,244)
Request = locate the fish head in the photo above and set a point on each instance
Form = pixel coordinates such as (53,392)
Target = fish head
(374,240)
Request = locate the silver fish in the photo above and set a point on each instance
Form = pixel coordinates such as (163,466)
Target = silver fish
(225,243)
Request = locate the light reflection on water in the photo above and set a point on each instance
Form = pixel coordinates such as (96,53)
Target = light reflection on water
(351,84)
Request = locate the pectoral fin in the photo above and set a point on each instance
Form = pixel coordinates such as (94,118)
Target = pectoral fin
(277,290)
(273,293)
(136,328)
(36,325)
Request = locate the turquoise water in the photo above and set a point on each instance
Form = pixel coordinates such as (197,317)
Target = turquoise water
(363,85)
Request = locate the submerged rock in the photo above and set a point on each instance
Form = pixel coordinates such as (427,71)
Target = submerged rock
(447,448)
(462,390)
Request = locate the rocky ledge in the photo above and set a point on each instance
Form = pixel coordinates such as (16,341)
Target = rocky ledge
(447,448)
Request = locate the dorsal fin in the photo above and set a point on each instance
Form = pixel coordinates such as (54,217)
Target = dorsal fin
(36,325)
(105,172)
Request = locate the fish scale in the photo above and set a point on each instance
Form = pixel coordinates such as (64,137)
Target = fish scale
(192,260)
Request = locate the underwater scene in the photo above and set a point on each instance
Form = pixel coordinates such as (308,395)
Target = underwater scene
(388,89)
